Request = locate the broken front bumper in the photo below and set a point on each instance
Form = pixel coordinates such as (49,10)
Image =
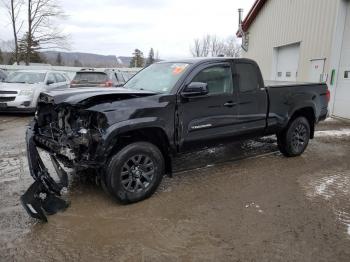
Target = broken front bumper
(43,196)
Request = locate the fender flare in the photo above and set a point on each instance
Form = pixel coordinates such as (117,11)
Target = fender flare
(111,134)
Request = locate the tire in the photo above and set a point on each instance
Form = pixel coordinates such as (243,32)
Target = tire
(135,172)
(295,138)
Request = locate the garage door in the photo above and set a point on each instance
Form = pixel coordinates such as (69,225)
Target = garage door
(287,62)
(342,92)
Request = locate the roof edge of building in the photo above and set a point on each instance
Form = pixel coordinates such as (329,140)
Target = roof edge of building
(252,14)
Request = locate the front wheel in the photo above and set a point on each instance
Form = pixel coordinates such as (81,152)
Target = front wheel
(294,140)
(134,173)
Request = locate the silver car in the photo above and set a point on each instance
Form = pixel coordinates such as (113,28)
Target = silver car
(20,91)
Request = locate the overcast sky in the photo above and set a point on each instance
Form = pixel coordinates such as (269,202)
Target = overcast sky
(117,27)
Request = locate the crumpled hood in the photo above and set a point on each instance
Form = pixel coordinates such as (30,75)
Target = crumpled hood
(75,96)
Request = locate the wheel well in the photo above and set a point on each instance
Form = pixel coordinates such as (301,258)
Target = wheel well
(309,114)
(154,135)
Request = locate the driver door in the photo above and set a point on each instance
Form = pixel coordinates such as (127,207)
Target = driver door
(208,119)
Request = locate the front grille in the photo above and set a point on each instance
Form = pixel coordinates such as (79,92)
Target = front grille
(8,92)
(7,99)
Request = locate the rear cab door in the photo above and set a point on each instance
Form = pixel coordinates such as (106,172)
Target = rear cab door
(252,97)
(208,119)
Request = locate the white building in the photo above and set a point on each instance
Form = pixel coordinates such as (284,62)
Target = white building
(302,40)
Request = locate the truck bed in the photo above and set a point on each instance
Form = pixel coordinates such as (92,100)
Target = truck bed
(286,97)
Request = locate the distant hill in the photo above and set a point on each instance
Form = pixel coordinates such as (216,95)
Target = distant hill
(84,59)
(74,58)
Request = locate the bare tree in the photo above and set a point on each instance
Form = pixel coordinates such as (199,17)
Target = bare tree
(232,48)
(196,48)
(42,32)
(206,42)
(13,8)
(217,46)
(211,45)
(201,47)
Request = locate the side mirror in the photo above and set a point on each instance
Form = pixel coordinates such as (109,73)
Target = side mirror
(195,89)
(49,82)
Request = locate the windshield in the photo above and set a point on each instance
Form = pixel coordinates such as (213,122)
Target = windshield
(91,77)
(25,77)
(159,78)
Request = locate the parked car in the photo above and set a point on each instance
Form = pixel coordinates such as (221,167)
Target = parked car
(3,75)
(129,135)
(20,90)
(99,78)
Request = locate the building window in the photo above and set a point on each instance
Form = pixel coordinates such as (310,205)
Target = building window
(288,74)
(346,74)
(279,74)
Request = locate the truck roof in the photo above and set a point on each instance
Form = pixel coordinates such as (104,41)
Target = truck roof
(200,60)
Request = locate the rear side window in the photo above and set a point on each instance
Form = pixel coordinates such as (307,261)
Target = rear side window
(94,77)
(247,77)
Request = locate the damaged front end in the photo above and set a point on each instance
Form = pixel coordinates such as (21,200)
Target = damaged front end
(72,136)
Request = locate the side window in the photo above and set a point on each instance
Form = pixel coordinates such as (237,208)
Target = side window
(247,77)
(60,78)
(51,78)
(218,78)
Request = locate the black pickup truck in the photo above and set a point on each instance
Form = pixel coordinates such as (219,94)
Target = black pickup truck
(128,136)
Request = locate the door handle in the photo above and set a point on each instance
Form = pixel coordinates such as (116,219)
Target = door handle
(230,104)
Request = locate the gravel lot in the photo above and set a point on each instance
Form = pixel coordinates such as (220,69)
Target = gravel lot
(239,202)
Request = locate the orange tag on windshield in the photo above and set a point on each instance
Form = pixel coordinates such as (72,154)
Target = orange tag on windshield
(177,70)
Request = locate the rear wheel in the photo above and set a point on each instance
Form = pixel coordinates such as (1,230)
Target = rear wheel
(135,172)
(294,140)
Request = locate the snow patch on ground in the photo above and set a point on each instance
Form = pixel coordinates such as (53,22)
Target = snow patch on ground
(333,133)
(335,189)
(254,205)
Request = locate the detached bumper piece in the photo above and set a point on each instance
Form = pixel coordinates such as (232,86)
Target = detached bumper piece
(43,196)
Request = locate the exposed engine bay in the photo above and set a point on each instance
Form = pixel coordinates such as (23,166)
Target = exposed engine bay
(71,137)
(71,133)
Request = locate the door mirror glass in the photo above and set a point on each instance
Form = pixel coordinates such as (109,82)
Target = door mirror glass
(195,89)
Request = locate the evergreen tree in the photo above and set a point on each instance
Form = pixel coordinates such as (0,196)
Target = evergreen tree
(150,58)
(34,55)
(1,57)
(59,59)
(12,59)
(77,63)
(137,60)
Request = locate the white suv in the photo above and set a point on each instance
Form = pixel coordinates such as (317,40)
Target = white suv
(20,90)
